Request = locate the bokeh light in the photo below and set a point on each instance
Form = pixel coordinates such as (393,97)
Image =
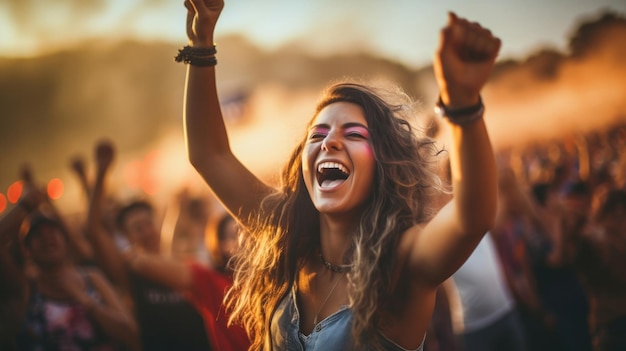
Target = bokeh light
(3,202)
(149,182)
(132,172)
(55,188)
(15,191)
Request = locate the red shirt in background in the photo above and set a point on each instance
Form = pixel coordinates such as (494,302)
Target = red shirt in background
(207,294)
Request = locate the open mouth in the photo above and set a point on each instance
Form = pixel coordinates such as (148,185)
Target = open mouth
(330,174)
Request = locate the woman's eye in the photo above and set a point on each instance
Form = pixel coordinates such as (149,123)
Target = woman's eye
(356,135)
(314,136)
(317,133)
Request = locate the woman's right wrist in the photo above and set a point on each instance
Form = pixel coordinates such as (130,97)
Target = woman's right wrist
(201,44)
(205,42)
(202,56)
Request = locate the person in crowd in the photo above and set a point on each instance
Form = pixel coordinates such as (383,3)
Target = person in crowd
(226,243)
(166,319)
(205,286)
(110,207)
(63,306)
(566,298)
(489,319)
(522,246)
(600,260)
(440,335)
(188,241)
(348,253)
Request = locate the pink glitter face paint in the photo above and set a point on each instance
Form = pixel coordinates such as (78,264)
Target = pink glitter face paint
(357,130)
(318,132)
(369,150)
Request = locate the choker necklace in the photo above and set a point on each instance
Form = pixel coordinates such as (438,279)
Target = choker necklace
(337,269)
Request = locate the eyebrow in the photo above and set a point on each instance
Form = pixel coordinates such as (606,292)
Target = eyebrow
(343,126)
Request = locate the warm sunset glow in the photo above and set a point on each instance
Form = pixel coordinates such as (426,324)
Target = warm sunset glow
(3,202)
(55,188)
(142,174)
(15,191)
(150,186)
(132,174)
(390,30)
(149,182)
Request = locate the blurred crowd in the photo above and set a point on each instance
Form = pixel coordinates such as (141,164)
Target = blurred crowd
(560,246)
(108,281)
(548,276)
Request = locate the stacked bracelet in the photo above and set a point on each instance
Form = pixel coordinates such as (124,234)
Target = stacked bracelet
(197,56)
(462,116)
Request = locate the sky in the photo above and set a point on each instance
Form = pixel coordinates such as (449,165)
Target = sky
(400,30)
(404,30)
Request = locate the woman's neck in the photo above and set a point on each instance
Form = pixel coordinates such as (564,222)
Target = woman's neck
(335,238)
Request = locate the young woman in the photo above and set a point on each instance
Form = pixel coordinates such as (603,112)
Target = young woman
(346,254)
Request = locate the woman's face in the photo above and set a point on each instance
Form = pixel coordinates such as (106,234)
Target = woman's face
(338,159)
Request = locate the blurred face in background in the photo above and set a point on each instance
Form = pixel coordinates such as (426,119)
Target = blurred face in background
(47,245)
(141,230)
(228,238)
(577,205)
(614,224)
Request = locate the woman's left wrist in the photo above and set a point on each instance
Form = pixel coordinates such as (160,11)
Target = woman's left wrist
(455,98)
(460,116)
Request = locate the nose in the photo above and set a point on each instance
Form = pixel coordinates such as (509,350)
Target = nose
(331,142)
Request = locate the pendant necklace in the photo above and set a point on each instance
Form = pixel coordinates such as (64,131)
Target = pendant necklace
(327,296)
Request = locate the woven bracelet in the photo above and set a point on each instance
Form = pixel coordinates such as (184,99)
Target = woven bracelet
(197,56)
(462,116)
(202,61)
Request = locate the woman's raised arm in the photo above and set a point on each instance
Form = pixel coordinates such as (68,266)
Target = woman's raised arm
(205,133)
(463,63)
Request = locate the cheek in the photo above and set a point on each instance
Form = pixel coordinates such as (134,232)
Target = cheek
(309,152)
(308,155)
(366,156)
(367,164)
(369,152)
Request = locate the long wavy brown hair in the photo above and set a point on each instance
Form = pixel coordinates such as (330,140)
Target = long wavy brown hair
(286,232)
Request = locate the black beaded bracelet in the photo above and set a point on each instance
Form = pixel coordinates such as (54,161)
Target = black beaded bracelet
(197,56)
(202,61)
(461,116)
